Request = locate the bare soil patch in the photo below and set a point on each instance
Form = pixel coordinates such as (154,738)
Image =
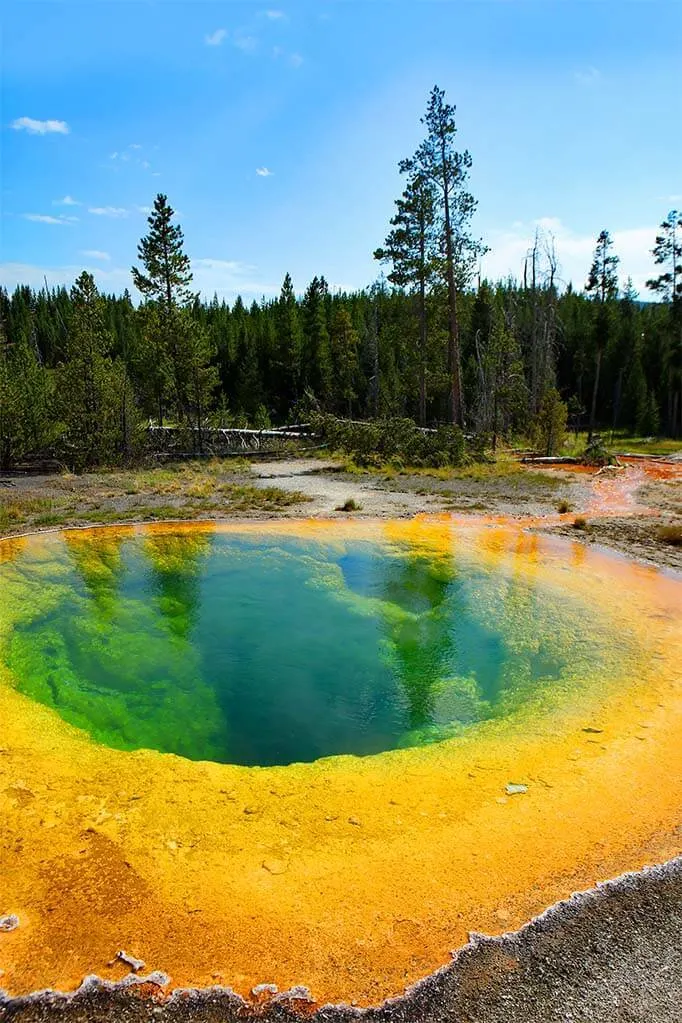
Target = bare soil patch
(623,511)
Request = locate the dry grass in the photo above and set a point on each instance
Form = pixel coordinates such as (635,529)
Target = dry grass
(214,489)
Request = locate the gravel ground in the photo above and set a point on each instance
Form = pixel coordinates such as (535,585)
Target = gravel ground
(610,955)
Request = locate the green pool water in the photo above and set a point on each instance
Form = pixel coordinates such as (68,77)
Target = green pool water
(273,650)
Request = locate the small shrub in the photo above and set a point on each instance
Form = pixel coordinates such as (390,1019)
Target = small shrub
(563,507)
(596,453)
(580,522)
(671,535)
(350,505)
(549,428)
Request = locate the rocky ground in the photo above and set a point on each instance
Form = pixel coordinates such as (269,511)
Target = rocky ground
(611,955)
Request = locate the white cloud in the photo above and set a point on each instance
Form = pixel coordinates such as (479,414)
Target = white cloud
(226,278)
(229,278)
(66,201)
(34,127)
(264,172)
(216,38)
(574,251)
(95,254)
(587,76)
(293,59)
(113,156)
(134,145)
(146,165)
(14,274)
(108,211)
(44,218)
(274,15)
(245,43)
(144,209)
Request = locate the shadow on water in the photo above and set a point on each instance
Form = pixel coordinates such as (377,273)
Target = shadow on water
(274,650)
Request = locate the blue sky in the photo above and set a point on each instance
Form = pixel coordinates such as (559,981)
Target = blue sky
(276,130)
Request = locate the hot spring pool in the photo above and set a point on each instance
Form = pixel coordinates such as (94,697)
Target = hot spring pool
(321,753)
(272,650)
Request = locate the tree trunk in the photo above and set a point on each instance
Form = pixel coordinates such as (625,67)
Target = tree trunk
(595,389)
(422,352)
(454,357)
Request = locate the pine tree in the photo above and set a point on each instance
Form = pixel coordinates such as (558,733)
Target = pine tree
(289,348)
(667,253)
(166,284)
(602,287)
(89,382)
(195,353)
(168,274)
(7,403)
(448,171)
(550,424)
(344,345)
(317,368)
(411,248)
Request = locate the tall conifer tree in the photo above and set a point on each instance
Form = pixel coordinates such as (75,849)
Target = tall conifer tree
(602,286)
(448,170)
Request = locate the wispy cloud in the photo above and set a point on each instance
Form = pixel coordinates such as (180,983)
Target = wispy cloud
(509,248)
(144,209)
(274,15)
(292,59)
(68,200)
(244,42)
(229,278)
(46,218)
(216,38)
(587,76)
(134,145)
(13,274)
(95,254)
(108,211)
(34,127)
(264,172)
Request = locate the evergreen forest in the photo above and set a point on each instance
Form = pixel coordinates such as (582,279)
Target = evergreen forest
(83,373)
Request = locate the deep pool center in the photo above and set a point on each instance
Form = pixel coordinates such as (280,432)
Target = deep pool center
(267,650)
(321,753)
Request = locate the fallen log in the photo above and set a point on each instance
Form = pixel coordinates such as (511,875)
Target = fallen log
(550,460)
